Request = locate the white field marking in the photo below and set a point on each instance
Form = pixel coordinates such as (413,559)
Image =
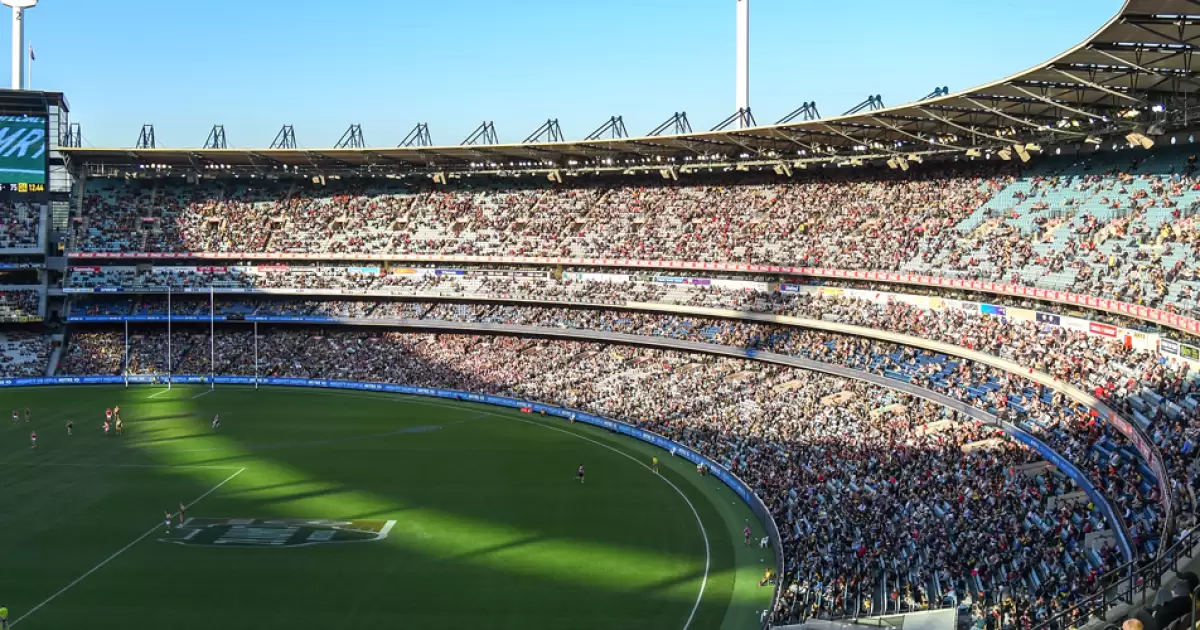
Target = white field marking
(51,465)
(153,396)
(121,551)
(387,529)
(703,531)
(203,393)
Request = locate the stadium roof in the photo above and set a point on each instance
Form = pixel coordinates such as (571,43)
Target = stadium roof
(1136,73)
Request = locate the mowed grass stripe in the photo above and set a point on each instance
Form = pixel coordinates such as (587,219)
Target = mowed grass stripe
(492,530)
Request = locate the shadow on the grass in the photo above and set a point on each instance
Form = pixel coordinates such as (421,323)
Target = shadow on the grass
(343,476)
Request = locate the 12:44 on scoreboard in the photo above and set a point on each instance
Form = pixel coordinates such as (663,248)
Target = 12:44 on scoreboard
(266,532)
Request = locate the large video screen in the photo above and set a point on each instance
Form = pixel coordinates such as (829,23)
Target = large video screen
(23,154)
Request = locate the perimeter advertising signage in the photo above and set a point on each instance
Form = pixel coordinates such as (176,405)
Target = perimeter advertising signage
(23,153)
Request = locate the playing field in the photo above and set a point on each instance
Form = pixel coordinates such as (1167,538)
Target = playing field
(338,510)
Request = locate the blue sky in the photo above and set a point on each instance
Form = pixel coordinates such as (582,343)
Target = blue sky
(387,64)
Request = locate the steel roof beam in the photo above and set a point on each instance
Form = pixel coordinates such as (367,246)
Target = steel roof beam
(1079,112)
(1028,123)
(856,141)
(974,132)
(1096,86)
(911,135)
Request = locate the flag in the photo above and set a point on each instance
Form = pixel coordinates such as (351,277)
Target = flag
(31,57)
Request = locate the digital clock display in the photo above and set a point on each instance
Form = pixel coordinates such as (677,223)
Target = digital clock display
(23,188)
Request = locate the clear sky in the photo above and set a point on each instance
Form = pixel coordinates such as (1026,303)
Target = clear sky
(254,65)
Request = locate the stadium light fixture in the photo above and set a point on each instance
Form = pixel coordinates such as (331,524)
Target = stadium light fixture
(1139,139)
(1158,109)
(1004,154)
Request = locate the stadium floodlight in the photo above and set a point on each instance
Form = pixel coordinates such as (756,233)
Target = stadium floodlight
(1139,139)
(18,39)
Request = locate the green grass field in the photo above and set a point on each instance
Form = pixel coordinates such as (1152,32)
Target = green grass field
(339,510)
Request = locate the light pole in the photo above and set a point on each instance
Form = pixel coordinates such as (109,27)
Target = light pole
(18,39)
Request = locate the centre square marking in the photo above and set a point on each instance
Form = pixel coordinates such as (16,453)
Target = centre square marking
(275,532)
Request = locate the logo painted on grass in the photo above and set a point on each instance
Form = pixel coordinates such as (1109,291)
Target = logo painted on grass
(264,532)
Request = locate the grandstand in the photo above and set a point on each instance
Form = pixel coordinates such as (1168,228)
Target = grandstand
(946,352)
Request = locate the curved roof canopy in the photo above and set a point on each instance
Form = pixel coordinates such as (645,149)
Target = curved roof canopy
(1137,72)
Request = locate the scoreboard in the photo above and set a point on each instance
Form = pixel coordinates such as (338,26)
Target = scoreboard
(24,155)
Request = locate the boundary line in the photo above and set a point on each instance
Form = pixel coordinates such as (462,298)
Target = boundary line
(120,551)
(158,394)
(204,393)
(703,532)
(53,465)
(445,404)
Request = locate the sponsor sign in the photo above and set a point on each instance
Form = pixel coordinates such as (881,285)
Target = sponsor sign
(1049,318)
(1106,330)
(1168,346)
(991,309)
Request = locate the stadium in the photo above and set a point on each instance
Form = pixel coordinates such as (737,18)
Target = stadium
(930,365)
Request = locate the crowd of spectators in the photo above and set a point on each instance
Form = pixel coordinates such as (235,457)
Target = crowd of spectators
(23,354)
(885,502)
(501,283)
(1100,225)
(865,528)
(19,304)
(20,224)
(1160,395)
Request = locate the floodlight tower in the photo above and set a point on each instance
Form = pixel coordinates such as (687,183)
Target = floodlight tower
(18,39)
(743,62)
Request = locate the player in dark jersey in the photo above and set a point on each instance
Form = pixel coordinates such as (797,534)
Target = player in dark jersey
(120,427)
(70,427)
(27,414)
(182,514)
(579,474)
(216,423)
